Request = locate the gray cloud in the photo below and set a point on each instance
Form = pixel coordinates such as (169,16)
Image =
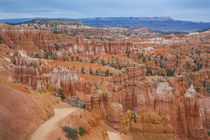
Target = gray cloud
(181,9)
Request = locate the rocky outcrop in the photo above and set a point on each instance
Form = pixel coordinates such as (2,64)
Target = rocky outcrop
(119,96)
(183,108)
(147,126)
(130,91)
(31,71)
(204,112)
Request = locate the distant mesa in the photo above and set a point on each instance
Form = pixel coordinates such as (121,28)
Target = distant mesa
(55,21)
(163,24)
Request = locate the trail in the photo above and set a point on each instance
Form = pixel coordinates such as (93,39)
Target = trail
(45,128)
(113,135)
(51,124)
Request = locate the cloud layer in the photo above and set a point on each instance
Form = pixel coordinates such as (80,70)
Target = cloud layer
(195,10)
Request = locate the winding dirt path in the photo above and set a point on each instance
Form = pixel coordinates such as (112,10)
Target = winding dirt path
(51,124)
(45,128)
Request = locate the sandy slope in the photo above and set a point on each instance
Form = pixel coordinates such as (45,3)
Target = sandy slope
(51,124)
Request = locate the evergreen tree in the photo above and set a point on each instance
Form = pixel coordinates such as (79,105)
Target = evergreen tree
(91,72)
(82,71)
(107,73)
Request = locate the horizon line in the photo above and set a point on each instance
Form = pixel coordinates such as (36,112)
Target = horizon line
(69,18)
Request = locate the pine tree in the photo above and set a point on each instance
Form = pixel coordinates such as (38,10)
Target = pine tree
(91,72)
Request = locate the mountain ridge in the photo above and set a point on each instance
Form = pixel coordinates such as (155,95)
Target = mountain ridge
(164,24)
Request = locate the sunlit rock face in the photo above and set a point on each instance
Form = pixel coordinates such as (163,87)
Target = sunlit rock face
(147,126)
(190,92)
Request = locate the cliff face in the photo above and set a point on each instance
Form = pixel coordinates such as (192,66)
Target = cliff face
(204,112)
(183,107)
(179,101)
(37,74)
(148,126)
(118,96)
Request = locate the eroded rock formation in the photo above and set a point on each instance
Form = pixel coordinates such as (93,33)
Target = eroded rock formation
(169,74)
(148,126)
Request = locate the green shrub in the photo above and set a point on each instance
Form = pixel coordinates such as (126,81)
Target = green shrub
(37,55)
(91,72)
(198,65)
(96,86)
(107,73)
(197,89)
(55,32)
(72,58)
(102,62)
(14,62)
(155,62)
(82,131)
(54,57)
(170,72)
(144,60)
(76,103)
(82,71)
(61,94)
(134,117)
(128,52)
(91,61)
(161,65)
(97,72)
(70,132)
(162,74)
(149,58)
(83,106)
(149,71)
(46,55)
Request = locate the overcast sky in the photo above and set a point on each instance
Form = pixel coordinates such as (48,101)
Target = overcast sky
(194,10)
